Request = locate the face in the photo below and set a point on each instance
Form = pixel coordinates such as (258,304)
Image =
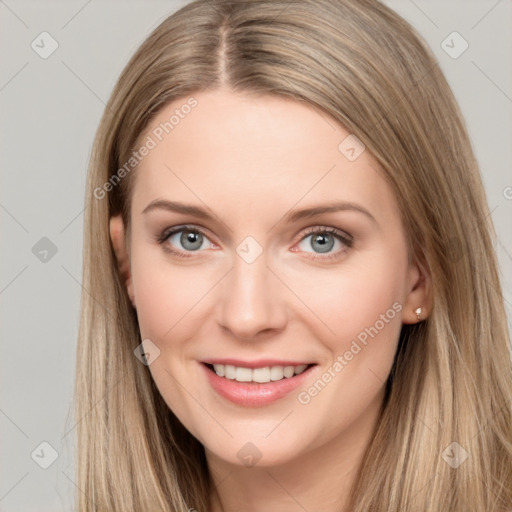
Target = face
(262,251)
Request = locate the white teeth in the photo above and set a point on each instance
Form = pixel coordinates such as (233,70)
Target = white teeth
(289,371)
(219,369)
(276,372)
(243,374)
(261,375)
(229,371)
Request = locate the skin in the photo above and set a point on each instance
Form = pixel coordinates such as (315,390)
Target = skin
(250,161)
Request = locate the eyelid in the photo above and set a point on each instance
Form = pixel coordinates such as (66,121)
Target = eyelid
(345,239)
(167,232)
(342,235)
(164,236)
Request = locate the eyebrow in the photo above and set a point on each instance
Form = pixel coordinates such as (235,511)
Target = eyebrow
(173,206)
(294,216)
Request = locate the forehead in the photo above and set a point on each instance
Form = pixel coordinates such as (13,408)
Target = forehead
(233,151)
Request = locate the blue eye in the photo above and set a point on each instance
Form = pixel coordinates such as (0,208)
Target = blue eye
(322,241)
(185,239)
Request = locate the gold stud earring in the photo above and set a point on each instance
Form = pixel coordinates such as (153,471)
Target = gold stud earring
(418,313)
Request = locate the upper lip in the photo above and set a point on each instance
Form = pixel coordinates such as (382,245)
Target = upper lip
(260,363)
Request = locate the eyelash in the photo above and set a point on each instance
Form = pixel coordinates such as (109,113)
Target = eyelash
(346,239)
(167,233)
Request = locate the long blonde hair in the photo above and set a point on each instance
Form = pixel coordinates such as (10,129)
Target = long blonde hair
(451,381)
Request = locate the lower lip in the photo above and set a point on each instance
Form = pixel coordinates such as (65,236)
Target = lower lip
(253,394)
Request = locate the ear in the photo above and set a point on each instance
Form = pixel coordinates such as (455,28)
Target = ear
(118,238)
(419,294)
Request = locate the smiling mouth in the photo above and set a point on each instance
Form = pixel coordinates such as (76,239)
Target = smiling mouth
(261,375)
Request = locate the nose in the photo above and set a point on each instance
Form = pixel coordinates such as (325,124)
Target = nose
(252,303)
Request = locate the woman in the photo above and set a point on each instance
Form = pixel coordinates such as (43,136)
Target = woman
(291,297)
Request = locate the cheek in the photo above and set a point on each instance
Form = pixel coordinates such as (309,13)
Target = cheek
(364,301)
(361,317)
(351,300)
(171,301)
(360,312)
(166,295)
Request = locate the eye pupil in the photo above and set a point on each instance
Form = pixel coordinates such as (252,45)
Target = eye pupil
(322,242)
(191,240)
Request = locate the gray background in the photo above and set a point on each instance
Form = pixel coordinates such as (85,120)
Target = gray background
(50,109)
